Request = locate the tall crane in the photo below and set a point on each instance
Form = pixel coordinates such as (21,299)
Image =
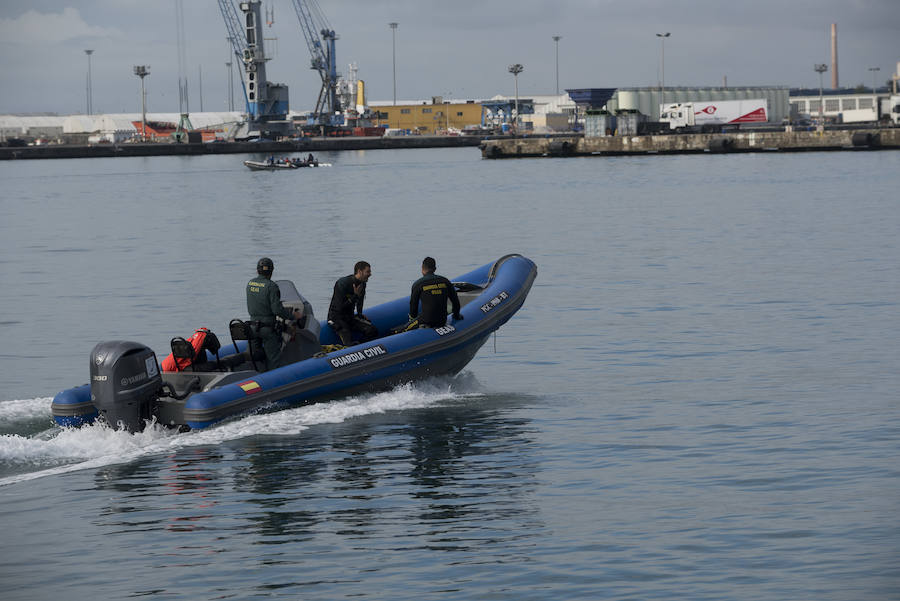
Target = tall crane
(267,102)
(320,38)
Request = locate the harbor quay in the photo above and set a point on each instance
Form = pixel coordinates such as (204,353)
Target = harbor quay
(64,151)
(502,147)
(764,141)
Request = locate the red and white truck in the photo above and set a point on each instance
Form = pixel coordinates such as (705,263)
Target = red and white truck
(709,114)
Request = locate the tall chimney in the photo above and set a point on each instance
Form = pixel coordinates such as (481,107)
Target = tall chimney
(834,66)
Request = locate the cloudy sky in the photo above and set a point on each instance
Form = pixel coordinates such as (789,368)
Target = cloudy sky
(454,48)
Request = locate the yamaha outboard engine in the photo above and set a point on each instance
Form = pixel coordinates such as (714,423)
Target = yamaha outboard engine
(125,380)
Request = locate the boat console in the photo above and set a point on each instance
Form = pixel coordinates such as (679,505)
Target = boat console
(303,341)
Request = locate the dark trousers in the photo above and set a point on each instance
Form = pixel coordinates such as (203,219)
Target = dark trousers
(346,329)
(272,344)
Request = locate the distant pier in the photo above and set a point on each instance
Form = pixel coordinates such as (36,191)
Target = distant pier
(767,141)
(304,145)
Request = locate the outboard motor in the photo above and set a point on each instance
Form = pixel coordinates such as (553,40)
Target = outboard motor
(125,380)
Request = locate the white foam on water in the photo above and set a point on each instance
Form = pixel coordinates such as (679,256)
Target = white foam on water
(99,445)
(25,409)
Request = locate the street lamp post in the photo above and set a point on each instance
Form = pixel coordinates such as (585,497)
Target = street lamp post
(515,70)
(874,71)
(89,107)
(229,97)
(662,82)
(446,108)
(143,71)
(393,27)
(556,39)
(229,65)
(821,68)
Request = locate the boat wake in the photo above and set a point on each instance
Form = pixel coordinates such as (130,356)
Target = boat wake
(62,450)
(28,410)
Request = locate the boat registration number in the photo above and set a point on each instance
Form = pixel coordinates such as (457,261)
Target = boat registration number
(486,307)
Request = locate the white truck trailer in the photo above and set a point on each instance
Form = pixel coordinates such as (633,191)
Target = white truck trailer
(708,115)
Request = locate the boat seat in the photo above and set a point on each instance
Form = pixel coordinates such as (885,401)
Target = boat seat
(183,349)
(227,363)
(241,330)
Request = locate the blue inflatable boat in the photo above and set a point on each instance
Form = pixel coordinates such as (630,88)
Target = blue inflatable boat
(128,389)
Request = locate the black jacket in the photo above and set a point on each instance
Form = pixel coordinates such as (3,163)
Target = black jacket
(433,290)
(344,300)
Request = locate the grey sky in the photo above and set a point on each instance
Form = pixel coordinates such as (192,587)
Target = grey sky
(456,48)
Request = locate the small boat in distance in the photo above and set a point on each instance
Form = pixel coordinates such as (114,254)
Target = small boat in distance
(273,164)
(267,166)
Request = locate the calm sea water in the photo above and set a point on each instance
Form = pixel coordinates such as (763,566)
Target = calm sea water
(699,399)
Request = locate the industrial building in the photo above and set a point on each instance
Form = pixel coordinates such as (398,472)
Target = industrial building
(538,114)
(543,113)
(848,105)
(31,127)
(840,106)
(427,118)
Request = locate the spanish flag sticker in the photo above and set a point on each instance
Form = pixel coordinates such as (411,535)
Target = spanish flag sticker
(249,387)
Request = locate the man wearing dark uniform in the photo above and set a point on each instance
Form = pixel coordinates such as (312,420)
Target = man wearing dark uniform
(264,305)
(433,290)
(349,295)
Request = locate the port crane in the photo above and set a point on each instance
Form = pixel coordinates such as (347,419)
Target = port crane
(320,39)
(267,102)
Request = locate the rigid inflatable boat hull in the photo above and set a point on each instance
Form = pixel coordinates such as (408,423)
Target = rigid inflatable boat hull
(499,290)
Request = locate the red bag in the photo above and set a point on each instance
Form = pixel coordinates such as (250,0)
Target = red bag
(197,340)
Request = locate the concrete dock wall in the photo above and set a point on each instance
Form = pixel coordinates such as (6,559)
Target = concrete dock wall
(785,141)
(278,148)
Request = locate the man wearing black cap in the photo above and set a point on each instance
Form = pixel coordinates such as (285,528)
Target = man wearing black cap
(264,305)
(433,290)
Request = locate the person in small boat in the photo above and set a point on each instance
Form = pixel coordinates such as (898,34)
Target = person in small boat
(264,305)
(310,160)
(345,313)
(432,290)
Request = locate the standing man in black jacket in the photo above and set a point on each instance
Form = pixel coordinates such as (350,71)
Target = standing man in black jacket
(433,290)
(349,295)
